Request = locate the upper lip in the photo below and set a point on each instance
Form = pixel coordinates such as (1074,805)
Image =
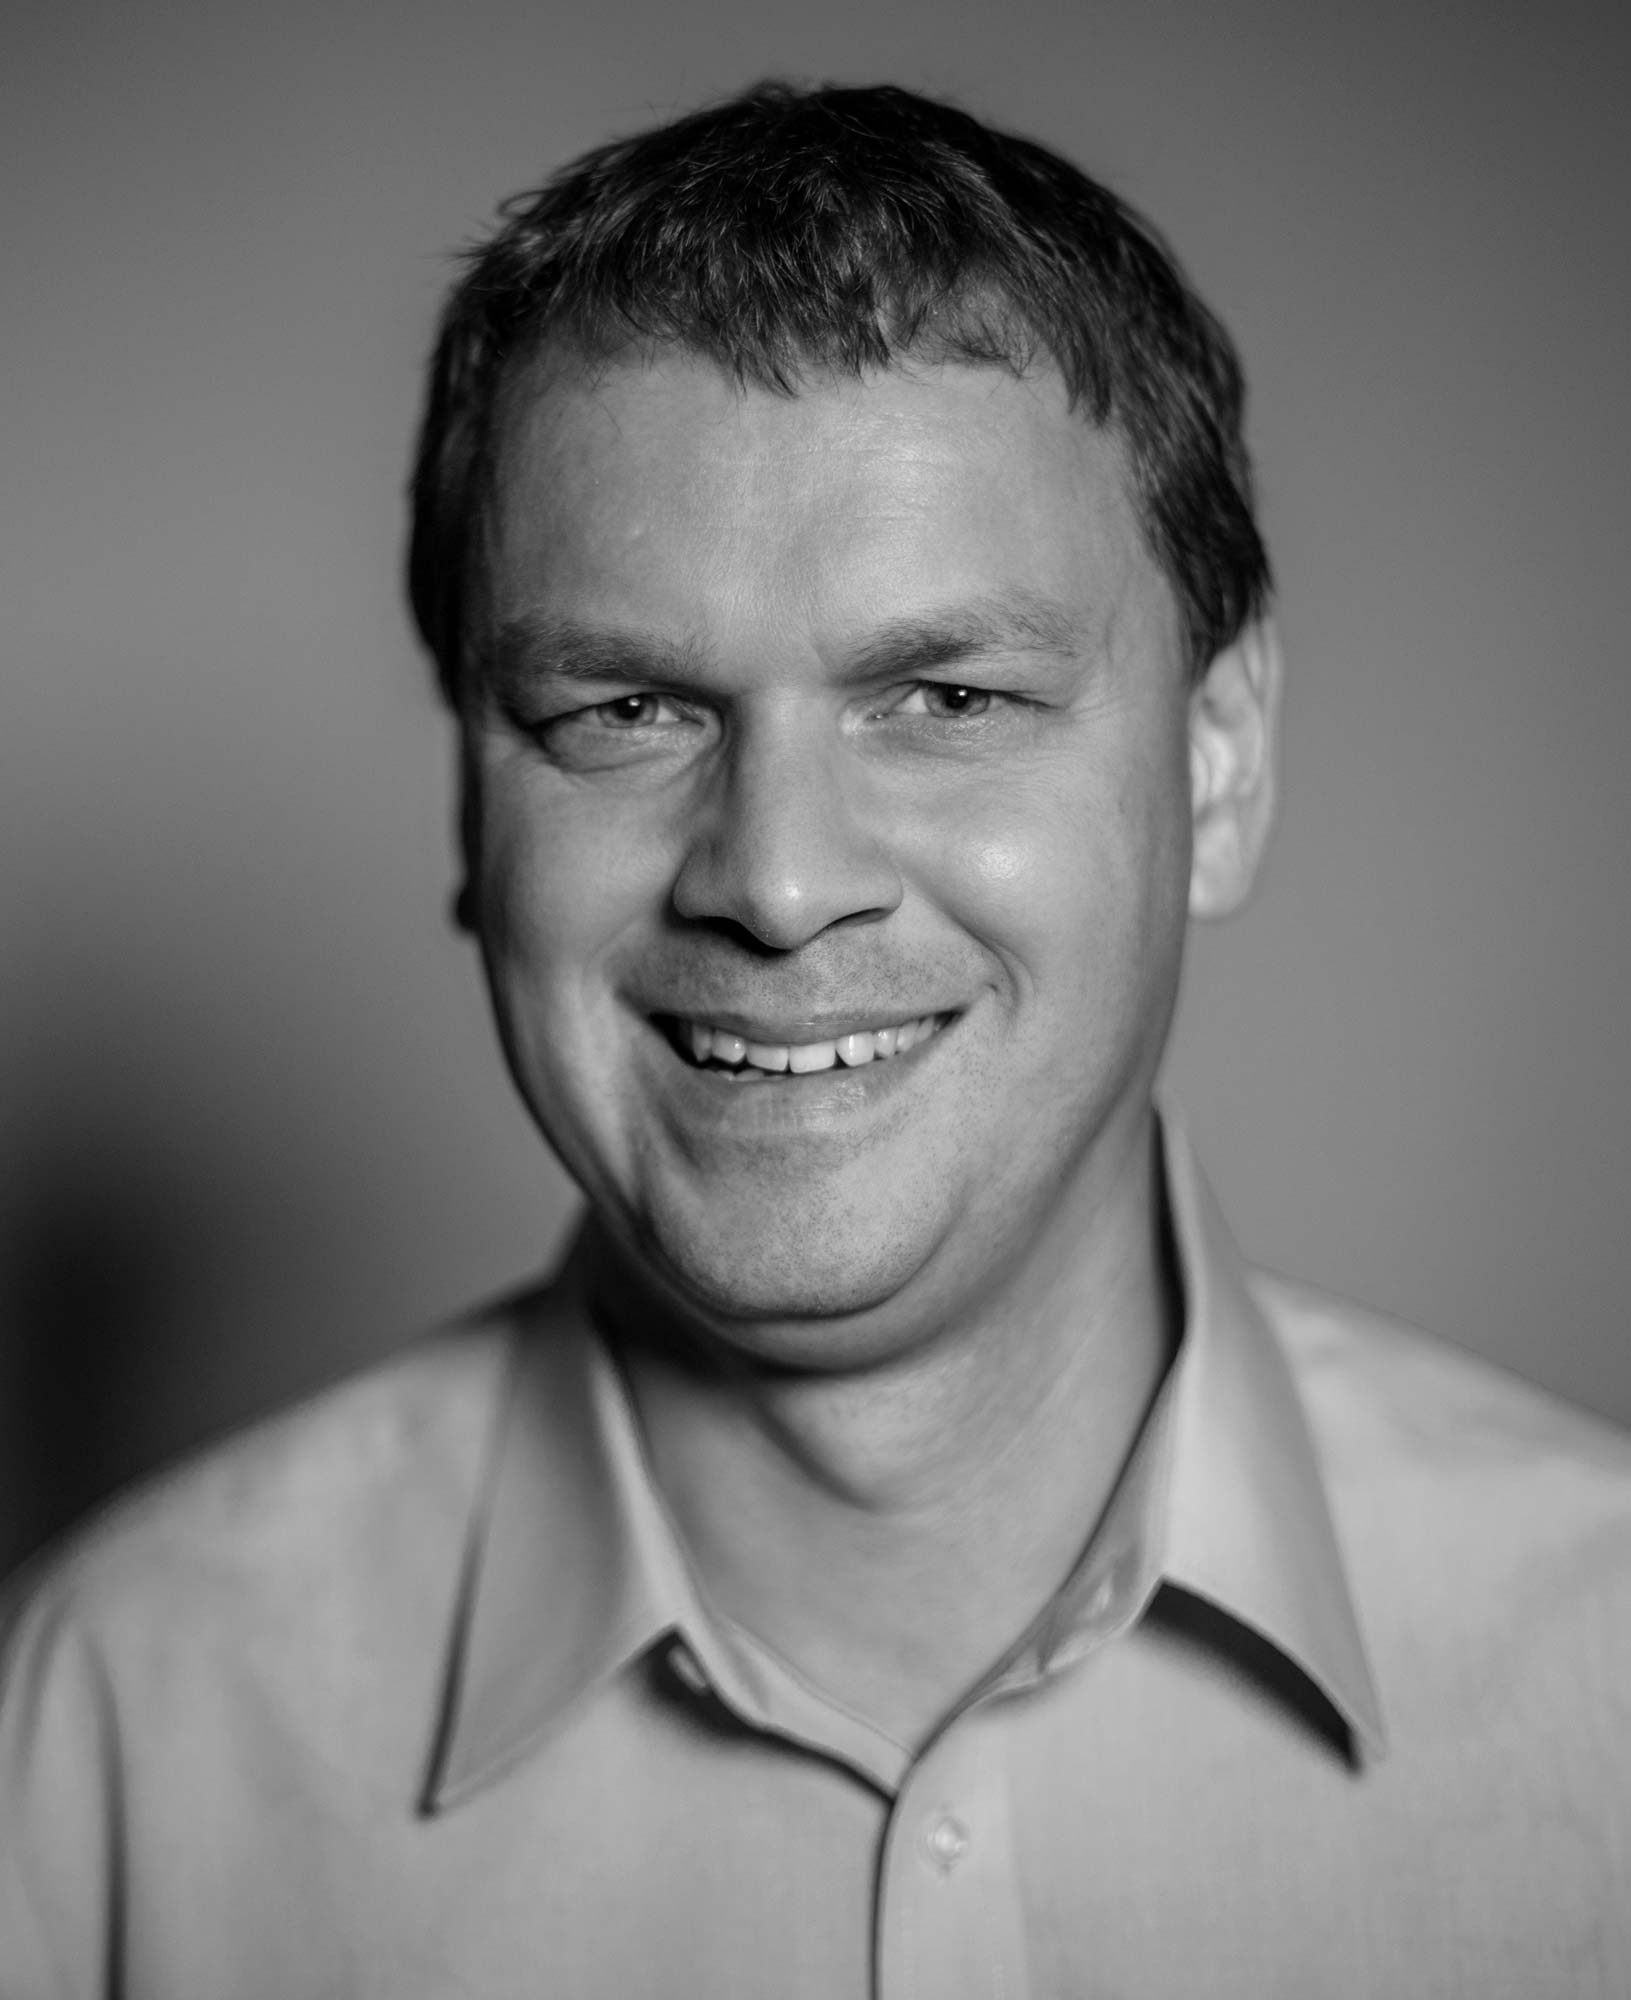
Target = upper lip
(773,1030)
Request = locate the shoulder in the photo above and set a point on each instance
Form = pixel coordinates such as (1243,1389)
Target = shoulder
(1485,1522)
(372,1478)
(1392,1405)
(262,1625)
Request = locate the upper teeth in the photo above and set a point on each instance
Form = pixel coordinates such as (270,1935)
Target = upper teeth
(719,1045)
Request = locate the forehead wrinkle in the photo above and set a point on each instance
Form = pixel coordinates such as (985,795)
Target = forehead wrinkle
(542,645)
(536,645)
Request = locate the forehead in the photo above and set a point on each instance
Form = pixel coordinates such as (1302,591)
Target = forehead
(665,492)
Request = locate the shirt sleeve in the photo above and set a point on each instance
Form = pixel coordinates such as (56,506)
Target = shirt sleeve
(60,1836)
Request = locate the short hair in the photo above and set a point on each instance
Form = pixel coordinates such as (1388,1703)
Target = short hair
(786,232)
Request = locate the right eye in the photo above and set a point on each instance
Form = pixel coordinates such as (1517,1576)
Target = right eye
(626,729)
(627,711)
(947,701)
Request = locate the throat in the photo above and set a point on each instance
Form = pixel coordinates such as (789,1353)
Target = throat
(892,1531)
(890,1539)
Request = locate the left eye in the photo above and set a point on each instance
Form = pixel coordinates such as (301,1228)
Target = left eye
(634,711)
(945,699)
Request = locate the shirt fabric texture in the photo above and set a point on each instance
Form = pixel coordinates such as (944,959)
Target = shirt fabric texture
(411,1691)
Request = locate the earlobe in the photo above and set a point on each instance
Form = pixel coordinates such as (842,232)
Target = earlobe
(1233,735)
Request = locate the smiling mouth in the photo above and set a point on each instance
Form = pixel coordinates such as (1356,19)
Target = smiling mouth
(735,1059)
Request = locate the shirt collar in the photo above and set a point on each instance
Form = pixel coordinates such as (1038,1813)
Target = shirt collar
(1247,1523)
(575,1571)
(573,1568)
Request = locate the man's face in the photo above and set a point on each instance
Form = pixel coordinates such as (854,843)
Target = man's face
(812,727)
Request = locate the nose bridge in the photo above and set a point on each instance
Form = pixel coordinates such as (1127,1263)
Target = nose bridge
(787,845)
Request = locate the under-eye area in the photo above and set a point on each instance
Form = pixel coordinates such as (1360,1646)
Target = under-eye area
(736,1059)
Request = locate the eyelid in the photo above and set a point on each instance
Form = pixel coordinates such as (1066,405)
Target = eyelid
(590,738)
(658,695)
(604,703)
(948,683)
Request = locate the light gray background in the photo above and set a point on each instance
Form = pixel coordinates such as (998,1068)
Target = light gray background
(260,1126)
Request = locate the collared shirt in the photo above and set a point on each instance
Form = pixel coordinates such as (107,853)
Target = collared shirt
(413,1692)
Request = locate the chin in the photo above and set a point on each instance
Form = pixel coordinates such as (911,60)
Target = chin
(804,1292)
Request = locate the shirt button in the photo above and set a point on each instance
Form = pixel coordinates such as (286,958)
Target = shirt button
(1102,1598)
(947,1841)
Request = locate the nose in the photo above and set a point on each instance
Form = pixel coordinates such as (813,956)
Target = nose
(789,840)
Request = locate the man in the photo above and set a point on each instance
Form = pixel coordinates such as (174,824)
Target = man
(903,1551)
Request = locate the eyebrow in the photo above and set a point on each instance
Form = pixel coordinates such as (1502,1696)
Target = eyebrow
(537,645)
(1010,622)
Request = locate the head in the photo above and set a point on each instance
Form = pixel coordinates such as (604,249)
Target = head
(833,531)
(788,234)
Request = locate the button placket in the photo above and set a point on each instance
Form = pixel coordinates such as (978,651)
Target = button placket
(949,1916)
(1100,1599)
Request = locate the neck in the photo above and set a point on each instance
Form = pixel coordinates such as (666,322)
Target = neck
(892,1532)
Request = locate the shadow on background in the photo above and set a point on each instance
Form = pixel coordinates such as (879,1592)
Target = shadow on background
(167,1278)
(199,1228)
(114,1255)
(101,1272)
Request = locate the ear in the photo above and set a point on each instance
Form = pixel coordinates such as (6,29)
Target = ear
(1234,715)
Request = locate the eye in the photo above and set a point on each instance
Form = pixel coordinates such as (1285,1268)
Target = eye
(642,715)
(946,700)
(635,728)
(632,711)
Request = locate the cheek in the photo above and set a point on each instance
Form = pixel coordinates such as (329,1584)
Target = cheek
(556,880)
(1078,889)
